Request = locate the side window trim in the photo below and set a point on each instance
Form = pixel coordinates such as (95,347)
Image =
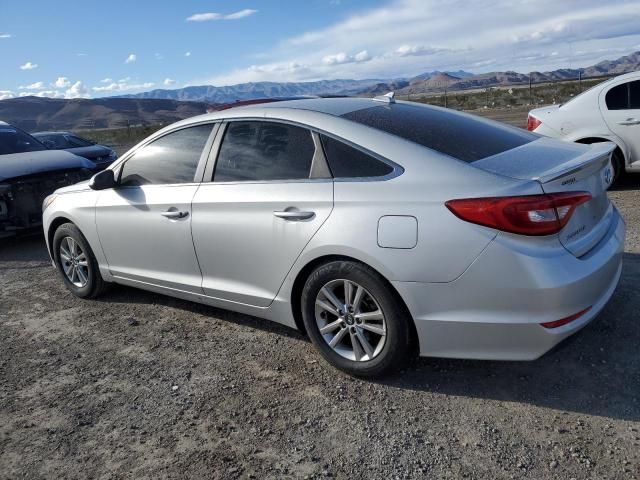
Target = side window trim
(319,165)
(201,162)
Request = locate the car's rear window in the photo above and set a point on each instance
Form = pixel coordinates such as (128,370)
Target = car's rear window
(445,131)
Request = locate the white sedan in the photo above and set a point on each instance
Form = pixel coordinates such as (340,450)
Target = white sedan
(608,112)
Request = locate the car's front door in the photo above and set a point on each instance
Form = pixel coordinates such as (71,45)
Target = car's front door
(144,224)
(269,194)
(620,107)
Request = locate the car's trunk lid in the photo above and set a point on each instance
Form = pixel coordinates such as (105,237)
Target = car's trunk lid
(565,167)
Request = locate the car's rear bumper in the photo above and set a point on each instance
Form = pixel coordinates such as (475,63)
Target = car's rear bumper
(496,308)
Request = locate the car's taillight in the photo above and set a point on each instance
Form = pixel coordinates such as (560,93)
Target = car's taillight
(564,321)
(526,215)
(533,123)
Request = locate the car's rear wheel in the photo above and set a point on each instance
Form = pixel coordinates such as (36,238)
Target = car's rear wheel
(355,320)
(76,263)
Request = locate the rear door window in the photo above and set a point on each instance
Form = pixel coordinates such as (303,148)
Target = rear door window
(618,97)
(262,151)
(634,95)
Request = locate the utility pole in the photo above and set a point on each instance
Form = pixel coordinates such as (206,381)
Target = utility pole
(580,80)
(446,103)
(530,90)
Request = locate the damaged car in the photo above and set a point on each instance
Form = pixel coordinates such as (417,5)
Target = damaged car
(28,173)
(101,155)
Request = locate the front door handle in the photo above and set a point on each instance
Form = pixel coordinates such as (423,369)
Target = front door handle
(174,214)
(293,214)
(630,121)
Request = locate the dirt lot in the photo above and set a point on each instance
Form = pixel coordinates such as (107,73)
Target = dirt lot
(139,385)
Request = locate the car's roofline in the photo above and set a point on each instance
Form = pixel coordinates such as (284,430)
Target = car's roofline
(405,153)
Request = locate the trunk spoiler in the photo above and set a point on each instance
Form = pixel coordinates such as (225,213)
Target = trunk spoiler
(599,152)
(546,159)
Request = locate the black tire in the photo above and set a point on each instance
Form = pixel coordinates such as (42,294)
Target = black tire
(397,346)
(617,162)
(95,285)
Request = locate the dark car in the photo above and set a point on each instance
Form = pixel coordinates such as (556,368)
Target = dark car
(29,173)
(101,155)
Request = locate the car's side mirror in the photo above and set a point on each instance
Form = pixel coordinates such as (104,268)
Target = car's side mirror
(103,180)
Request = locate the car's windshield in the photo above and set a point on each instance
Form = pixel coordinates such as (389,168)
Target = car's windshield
(78,141)
(13,140)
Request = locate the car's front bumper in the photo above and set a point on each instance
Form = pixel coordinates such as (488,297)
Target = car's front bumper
(495,309)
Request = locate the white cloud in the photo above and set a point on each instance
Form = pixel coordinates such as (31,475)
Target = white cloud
(159,56)
(168,82)
(33,86)
(362,56)
(122,86)
(131,58)
(82,54)
(77,90)
(29,66)
(417,50)
(340,58)
(6,94)
(62,82)
(5,35)
(43,93)
(408,37)
(336,59)
(240,14)
(187,54)
(209,17)
(107,80)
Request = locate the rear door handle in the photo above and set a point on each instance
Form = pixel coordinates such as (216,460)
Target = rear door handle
(630,121)
(174,214)
(293,214)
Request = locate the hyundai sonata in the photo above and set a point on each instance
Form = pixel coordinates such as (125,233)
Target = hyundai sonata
(379,228)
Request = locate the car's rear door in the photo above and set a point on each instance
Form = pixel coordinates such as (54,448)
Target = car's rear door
(261,201)
(620,106)
(144,224)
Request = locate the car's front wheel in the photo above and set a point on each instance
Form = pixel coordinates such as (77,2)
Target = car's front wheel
(76,263)
(355,321)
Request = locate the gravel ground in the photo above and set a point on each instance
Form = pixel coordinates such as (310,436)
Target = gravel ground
(139,385)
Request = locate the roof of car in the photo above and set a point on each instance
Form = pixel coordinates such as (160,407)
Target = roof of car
(330,106)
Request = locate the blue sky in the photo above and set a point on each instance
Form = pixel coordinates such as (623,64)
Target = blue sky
(89,48)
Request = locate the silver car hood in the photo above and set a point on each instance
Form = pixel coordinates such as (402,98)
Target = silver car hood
(29,163)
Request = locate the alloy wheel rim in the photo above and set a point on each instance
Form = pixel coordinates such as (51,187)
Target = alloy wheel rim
(74,262)
(350,320)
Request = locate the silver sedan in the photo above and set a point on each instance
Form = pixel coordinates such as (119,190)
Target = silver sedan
(382,229)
